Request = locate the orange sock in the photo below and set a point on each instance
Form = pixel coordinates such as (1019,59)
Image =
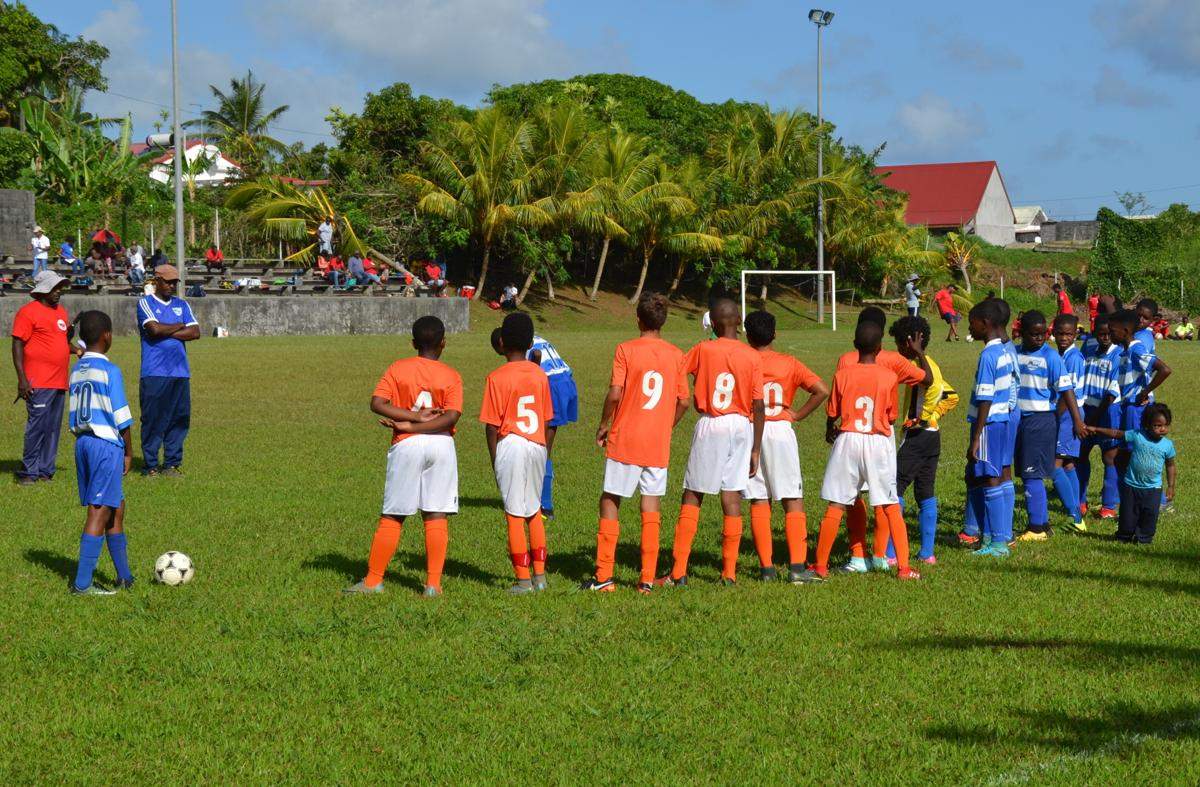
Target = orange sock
(830,525)
(795,524)
(883,529)
(731,542)
(685,531)
(437,538)
(518,547)
(651,524)
(537,542)
(383,546)
(856,523)
(606,548)
(899,535)
(760,529)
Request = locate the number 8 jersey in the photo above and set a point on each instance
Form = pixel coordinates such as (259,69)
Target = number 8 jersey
(516,400)
(729,377)
(648,369)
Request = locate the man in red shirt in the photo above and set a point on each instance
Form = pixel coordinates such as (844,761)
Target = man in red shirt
(1093,303)
(41,354)
(944,298)
(1064,302)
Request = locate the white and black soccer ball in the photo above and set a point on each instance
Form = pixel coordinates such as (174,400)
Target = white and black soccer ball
(174,568)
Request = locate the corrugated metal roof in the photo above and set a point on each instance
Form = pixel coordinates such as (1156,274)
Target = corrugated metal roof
(940,195)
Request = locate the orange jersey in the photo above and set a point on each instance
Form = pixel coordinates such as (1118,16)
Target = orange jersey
(420,384)
(864,397)
(649,371)
(728,376)
(783,375)
(516,400)
(907,372)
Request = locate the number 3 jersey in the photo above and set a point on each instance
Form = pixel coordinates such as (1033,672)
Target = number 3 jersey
(98,404)
(516,400)
(864,398)
(728,375)
(420,384)
(649,371)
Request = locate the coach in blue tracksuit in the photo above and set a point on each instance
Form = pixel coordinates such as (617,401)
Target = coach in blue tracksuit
(165,322)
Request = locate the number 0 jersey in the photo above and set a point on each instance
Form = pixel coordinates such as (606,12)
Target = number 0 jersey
(728,377)
(648,369)
(98,403)
(420,384)
(863,396)
(783,375)
(516,400)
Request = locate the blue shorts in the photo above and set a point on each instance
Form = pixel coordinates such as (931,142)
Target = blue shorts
(1036,440)
(1131,417)
(1110,420)
(564,397)
(1010,441)
(1068,443)
(99,467)
(992,442)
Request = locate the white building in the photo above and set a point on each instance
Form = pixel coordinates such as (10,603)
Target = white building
(1029,220)
(217,169)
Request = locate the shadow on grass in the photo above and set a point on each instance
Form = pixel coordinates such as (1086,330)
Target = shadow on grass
(51,561)
(1163,585)
(482,502)
(1088,651)
(353,569)
(11,466)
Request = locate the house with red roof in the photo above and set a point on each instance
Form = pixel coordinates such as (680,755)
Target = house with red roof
(968,197)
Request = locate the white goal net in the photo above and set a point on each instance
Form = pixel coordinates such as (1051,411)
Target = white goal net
(831,288)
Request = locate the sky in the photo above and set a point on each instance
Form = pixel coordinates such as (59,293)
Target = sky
(1074,100)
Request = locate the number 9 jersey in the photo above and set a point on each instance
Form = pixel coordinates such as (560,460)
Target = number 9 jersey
(649,371)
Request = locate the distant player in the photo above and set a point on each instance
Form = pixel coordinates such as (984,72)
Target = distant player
(420,399)
(647,395)
(727,439)
(100,420)
(778,477)
(565,398)
(944,298)
(516,414)
(861,410)
(1066,483)
(1101,407)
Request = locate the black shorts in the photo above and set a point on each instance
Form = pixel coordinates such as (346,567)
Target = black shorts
(917,462)
(1138,519)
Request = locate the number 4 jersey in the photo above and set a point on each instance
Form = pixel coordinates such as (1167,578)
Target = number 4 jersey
(864,398)
(516,400)
(729,377)
(420,384)
(648,369)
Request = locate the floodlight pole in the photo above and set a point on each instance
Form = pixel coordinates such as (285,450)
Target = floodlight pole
(820,194)
(180,147)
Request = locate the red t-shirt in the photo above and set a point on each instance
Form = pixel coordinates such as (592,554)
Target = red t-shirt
(945,301)
(1064,303)
(47,355)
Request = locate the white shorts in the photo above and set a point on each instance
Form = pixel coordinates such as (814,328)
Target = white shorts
(520,470)
(622,480)
(422,475)
(720,457)
(778,476)
(860,461)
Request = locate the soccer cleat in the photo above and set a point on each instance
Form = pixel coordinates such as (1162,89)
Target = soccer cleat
(645,588)
(993,550)
(1167,507)
(173,472)
(1076,527)
(522,588)
(431,592)
(810,576)
(1108,513)
(91,590)
(908,573)
(668,581)
(362,588)
(548,514)
(539,582)
(880,564)
(123,584)
(607,586)
(1034,535)
(728,582)
(768,573)
(929,561)
(967,539)
(1083,509)
(856,565)
(892,562)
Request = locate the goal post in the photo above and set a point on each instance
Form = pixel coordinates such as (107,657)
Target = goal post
(832,287)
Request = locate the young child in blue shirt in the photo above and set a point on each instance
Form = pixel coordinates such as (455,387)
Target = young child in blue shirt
(1150,451)
(100,420)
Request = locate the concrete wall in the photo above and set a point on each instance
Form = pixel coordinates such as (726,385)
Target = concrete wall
(16,223)
(994,220)
(250,315)
(1070,231)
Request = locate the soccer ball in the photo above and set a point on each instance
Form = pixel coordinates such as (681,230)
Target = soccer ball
(174,568)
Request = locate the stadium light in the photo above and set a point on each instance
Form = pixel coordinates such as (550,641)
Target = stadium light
(160,141)
(820,19)
(180,150)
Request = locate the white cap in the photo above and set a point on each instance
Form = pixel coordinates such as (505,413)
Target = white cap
(37,228)
(45,282)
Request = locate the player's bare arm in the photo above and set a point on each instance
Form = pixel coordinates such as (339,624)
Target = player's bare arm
(188,333)
(383,407)
(816,397)
(1161,373)
(1170,467)
(831,429)
(161,330)
(606,413)
(432,422)
(681,408)
(759,419)
(550,432)
(918,356)
(125,436)
(491,434)
(1073,408)
(24,389)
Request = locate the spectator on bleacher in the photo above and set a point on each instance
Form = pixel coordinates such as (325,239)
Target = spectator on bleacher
(156,259)
(66,255)
(369,267)
(214,259)
(39,244)
(325,237)
(336,274)
(358,271)
(508,298)
(41,353)
(137,266)
(433,277)
(165,322)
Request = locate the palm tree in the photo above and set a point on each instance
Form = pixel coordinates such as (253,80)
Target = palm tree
(480,178)
(291,213)
(72,159)
(240,123)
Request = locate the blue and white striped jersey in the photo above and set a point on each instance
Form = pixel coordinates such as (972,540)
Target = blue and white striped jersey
(1043,378)
(552,363)
(98,403)
(1076,368)
(1015,378)
(993,379)
(1102,372)
(1137,370)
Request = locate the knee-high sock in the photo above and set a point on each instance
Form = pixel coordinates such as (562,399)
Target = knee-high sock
(1083,475)
(971,511)
(90,548)
(1010,506)
(1067,493)
(883,532)
(651,524)
(606,548)
(437,540)
(856,523)
(1035,503)
(1111,497)
(795,524)
(891,547)
(899,534)
(1073,480)
(537,543)
(830,524)
(548,487)
(518,546)
(998,514)
(731,542)
(927,516)
(383,546)
(120,557)
(685,531)
(760,529)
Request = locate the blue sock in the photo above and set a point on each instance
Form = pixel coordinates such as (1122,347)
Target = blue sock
(1035,503)
(1083,475)
(971,514)
(1073,480)
(116,550)
(90,548)
(1010,508)
(999,515)
(891,547)
(1067,493)
(547,485)
(1111,496)
(927,516)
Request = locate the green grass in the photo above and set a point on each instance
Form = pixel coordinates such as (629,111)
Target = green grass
(1074,661)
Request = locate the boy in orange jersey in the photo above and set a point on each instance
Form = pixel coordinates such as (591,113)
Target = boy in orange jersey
(727,439)
(907,373)
(647,397)
(421,400)
(861,410)
(778,477)
(516,412)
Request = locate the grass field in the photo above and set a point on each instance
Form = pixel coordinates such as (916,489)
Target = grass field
(1074,661)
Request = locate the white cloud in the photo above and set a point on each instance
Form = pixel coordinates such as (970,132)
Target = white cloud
(1164,33)
(980,56)
(1112,88)
(932,125)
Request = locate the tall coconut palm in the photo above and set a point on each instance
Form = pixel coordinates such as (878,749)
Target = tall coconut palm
(480,178)
(287,212)
(240,123)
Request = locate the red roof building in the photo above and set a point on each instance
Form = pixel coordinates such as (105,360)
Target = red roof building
(965,197)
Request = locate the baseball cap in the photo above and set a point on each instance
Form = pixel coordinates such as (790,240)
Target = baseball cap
(45,282)
(167,272)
